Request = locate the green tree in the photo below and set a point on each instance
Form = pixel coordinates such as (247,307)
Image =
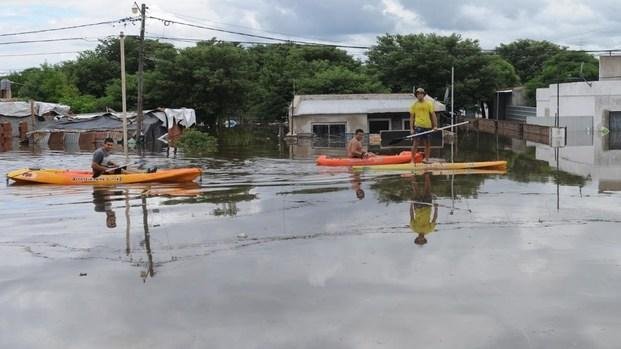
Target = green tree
(91,73)
(565,66)
(282,70)
(425,60)
(339,80)
(47,83)
(211,77)
(528,56)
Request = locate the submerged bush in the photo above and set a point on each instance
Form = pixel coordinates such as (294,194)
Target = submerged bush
(197,143)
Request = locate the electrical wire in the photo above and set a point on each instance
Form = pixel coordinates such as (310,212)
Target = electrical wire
(168,22)
(41,40)
(121,20)
(38,54)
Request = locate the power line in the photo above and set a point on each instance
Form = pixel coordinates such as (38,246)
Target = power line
(121,20)
(41,40)
(168,22)
(195,40)
(191,18)
(38,54)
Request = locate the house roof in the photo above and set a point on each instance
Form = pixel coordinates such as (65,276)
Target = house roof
(356,104)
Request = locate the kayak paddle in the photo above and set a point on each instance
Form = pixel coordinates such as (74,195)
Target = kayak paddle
(397,140)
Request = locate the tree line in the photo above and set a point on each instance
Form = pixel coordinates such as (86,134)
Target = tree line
(222,80)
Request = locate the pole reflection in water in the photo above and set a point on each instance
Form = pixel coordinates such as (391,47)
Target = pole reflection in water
(102,199)
(147,241)
(127,223)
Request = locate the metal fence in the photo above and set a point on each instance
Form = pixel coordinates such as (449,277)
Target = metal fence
(514,112)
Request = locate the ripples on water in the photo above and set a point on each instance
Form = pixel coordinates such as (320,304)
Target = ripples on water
(274,210)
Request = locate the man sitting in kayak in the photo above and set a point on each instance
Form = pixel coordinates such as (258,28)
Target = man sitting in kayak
(422,118)
(101,165)
(354,147)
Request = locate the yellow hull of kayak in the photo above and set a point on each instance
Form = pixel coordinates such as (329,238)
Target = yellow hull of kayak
(77,177)
(438,166)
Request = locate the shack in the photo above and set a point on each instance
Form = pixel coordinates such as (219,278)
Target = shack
(19,117)
(89,130)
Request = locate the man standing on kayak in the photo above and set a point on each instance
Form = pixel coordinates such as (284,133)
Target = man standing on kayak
(422,118)
(354,147)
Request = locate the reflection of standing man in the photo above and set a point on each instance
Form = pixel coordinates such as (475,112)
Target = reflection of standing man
(421,221)
(422,119)
(101,199)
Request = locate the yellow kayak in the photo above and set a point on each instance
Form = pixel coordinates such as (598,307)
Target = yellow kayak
(75,177)
(438,166)
(461,171)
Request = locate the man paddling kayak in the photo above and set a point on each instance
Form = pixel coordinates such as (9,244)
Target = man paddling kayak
(422,118)
(354,147)
(102,165)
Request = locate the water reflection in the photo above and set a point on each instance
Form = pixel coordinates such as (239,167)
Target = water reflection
(356,184)
(102,199)
(422,222)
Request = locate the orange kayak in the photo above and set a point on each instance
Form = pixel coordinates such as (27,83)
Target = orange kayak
(403,157)
(76,177)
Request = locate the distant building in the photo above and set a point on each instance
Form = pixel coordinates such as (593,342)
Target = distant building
(510,104)
(585,105)
(340,115)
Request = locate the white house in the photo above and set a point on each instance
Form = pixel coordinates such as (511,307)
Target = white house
(342,114)
(584,105)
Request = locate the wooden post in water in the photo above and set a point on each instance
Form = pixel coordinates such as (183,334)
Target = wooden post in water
(123,94)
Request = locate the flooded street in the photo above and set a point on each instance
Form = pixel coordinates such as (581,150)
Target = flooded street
(271,251)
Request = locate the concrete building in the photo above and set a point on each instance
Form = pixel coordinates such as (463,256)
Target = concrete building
(341,115)
(584,105)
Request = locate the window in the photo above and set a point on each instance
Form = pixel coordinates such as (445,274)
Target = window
(406,124)
(377,125)
(614,125)
(329,130)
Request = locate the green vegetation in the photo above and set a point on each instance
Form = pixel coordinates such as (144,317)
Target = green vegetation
(223,80)
(195,142)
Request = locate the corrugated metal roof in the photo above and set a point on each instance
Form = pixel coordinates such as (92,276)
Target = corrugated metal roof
(355,104)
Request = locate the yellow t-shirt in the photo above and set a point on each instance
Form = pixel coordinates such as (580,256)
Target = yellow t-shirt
(421,223)
(420,114)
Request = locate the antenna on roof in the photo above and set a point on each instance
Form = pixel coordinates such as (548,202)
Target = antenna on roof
(582,75)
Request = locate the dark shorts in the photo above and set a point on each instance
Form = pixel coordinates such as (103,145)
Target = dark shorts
(426,137)
(421,199)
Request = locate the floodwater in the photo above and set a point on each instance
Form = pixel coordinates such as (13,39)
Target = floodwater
(270,251)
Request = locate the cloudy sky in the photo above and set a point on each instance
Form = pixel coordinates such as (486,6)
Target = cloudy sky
(591,24)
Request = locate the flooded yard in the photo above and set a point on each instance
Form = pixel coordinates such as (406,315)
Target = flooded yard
(270,251)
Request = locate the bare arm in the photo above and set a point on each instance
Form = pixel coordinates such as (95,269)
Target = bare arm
(98,167)
(434,120)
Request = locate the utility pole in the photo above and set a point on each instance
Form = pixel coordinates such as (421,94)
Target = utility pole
(143,12)
(123,96)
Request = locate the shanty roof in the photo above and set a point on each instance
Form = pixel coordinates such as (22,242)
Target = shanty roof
(21,109)
(110,121)
(356,104)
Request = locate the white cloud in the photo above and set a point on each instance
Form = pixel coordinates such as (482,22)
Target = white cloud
(568,22)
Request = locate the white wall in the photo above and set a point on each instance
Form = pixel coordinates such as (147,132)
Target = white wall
(578,99)
(303,124)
